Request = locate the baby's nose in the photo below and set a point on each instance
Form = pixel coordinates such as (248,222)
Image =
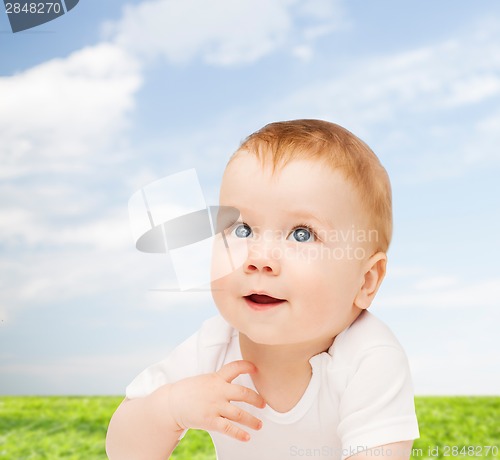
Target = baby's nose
(264,256)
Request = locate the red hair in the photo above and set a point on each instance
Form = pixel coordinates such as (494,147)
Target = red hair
(281,142)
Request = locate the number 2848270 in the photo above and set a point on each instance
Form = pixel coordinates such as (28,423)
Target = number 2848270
(33,8)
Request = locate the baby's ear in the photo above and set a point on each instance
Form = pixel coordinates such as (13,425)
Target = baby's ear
(374,272)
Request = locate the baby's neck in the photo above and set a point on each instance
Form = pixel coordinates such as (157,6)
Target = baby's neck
(283,372)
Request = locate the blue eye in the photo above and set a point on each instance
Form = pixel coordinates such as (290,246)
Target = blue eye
(242,231)
(302,235)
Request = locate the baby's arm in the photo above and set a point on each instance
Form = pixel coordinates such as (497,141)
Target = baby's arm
(394,451)
(149,428)
(138,430)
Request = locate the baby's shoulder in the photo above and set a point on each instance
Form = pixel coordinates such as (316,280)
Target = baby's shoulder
(366,333)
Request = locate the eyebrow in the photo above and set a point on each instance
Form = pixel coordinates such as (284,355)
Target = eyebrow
(302,215)
(306,216)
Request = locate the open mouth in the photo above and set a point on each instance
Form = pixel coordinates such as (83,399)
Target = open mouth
(262,301)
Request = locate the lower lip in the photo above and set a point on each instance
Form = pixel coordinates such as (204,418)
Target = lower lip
(262,306)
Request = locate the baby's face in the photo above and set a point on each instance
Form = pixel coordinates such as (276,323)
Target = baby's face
(303,228)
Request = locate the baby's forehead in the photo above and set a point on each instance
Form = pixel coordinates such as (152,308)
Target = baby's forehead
(266,163)
(299,185)
(249,165)
(247,176)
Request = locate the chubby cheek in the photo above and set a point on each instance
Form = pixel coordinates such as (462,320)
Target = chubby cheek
(326,285)
(219,289)
(321,306)
(223,293)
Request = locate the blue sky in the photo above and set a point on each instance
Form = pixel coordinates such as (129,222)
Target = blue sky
(114,95)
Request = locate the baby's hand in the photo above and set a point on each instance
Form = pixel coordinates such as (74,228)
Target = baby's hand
(204,402)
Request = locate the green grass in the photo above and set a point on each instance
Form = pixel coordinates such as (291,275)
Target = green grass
(75,428)
(468,422)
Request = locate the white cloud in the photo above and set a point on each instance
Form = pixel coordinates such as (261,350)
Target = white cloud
(472,90)
(62,116)
(221,32)
(319,8)
(83,270)
(303,52)
(401,271)
(445,292)
(39,278)
(420,93)
(29,227)
(376,89)
(436,282)
(483,149)
(54,116)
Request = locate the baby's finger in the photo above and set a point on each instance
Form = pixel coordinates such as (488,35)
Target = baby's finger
(223,425)
(241,393)
(237,414)
(231,370)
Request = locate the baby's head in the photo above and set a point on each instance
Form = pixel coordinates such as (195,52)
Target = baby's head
(277,144)
(316,220)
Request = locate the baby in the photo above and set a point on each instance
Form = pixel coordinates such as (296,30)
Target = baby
(295,365)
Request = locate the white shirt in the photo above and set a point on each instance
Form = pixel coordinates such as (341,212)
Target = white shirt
(360,394)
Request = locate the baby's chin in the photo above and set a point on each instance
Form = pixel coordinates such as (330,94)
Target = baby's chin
(286,343)
(259,334)
(265,340)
